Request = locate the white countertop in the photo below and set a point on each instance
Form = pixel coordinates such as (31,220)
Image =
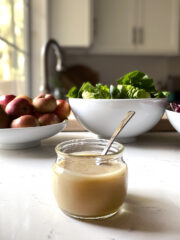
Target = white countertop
(28,210)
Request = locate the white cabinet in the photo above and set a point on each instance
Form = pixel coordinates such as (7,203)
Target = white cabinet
(113,26)
(137,27)
(71,22)
(159,26)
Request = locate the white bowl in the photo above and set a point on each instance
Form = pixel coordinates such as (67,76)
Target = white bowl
(102,116)
(19,138)
(174,119)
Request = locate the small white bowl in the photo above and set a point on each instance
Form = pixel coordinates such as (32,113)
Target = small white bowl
(20,138)
(174,119)
(102,116)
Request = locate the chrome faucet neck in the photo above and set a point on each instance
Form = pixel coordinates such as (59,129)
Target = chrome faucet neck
(59,66)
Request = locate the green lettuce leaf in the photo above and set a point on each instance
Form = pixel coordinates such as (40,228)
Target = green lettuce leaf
(98,91)
(161,94)
(73,92)
(103,90)
(128,91)
(87,86)
(114,92)
(138,79)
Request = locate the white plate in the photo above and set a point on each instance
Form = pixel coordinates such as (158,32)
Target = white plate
(19,138)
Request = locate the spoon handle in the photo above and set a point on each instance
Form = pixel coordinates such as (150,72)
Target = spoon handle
(122,124)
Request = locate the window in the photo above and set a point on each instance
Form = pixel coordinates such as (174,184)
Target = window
(14,46)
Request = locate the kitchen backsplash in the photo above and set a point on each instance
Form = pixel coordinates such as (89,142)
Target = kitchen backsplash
(110,67)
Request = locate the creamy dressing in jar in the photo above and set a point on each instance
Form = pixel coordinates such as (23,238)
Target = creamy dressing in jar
(86,189)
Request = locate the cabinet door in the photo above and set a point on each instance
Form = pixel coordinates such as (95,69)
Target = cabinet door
(70,22)
(159,27)
(115,23)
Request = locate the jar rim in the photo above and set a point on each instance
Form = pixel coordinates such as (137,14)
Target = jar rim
(118,146)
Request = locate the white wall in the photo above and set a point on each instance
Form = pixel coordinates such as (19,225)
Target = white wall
(112,67)
(174,66)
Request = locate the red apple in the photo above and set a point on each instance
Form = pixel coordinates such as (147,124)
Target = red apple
(18,107)
(48,118)
(24,121)
(4,120)
(63,109)
(44,103)
(26,97)
(36,114)
(5,99)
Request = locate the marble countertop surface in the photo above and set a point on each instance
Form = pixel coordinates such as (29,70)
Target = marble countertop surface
(28,210)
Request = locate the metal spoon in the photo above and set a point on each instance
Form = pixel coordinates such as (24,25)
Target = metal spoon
(122,124)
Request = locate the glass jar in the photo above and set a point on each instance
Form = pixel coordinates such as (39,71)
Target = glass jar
(87,185)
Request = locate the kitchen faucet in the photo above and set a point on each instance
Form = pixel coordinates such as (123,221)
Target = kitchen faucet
(46,86)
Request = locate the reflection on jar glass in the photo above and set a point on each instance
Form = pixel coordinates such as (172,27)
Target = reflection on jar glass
(86,184)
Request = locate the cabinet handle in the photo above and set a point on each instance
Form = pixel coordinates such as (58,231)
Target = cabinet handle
(134,35)
(141,35)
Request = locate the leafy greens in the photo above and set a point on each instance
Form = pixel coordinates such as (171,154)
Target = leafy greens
(132,85)
(139,80)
